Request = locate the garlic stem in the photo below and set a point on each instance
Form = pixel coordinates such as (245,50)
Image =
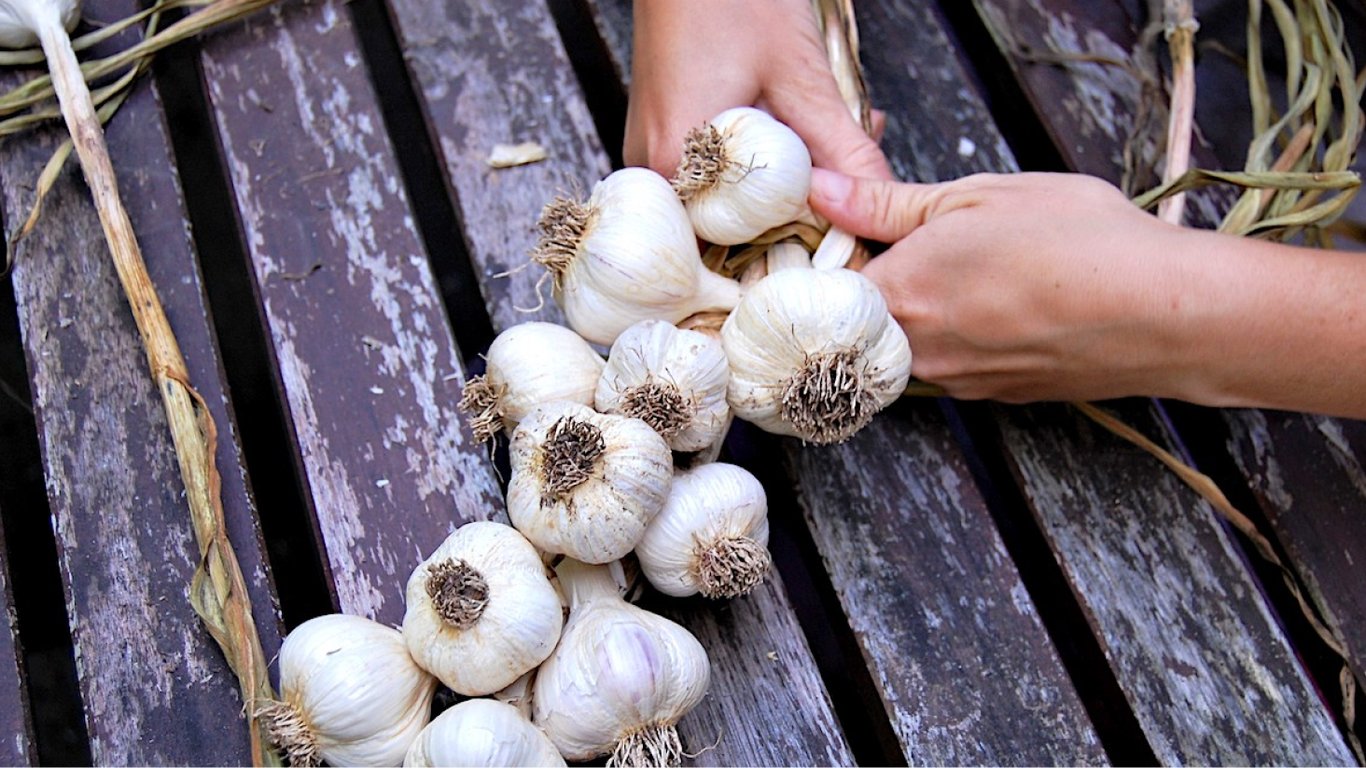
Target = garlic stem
(570,452)
(584,583)
(653,745)
(715,293)
(732,566)
(459,593)
(192,429)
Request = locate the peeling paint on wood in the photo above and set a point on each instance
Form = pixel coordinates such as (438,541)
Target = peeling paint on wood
(488,76)
(156,688)
(930,592)
(16,725)
(369,366)
(1199,655)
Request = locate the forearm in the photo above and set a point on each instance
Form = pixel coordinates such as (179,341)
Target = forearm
(1267,325)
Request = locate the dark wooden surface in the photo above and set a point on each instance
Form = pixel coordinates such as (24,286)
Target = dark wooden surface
(898,558)
(16,747)
(368,365)
(156,689)
(475,95)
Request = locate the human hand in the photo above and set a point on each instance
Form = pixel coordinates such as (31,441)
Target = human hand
(691,61)
(1023,287)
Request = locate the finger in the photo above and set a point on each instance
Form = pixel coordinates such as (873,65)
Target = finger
(824,122)
(880,210)
(879,124)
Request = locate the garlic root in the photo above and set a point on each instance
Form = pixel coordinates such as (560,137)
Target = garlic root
(731,566)
(653,745)
(826,399)
(287,729)
(571,449)
(459,593)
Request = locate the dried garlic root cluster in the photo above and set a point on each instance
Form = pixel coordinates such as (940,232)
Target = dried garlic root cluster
(613,463)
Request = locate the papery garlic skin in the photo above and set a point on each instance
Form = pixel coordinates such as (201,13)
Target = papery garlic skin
(592,505)
(741,175)
(814,354)
(484,733)
(481,611)
(712,535)
(529,364)
(350,694)
(627,254)
(19,19)
(675,380)
(620,679)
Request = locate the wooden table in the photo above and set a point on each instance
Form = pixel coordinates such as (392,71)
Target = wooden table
(960,583)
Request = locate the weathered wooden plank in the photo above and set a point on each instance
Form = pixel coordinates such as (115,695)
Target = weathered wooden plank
(1305,470)
(369,366)
(16,722)
(902,473)
(488,76)
(1203,662)
(931,592)
(156,688)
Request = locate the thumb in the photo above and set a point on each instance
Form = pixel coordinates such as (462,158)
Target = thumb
(885,211)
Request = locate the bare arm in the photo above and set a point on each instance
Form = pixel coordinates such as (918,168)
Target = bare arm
(1054,287)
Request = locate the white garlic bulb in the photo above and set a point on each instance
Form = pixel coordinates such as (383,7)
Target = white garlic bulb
(674,380)
(620,679)
(742,174)
(814,354)
(586,484)
(711,537)
(627,254)
(485,733)
(349,694)
(20,19)
(481,610)
(529,364)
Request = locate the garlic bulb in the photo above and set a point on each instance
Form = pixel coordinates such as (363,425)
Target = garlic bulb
(481,610)
(482,732)
(814,354)
(349,694)
(529,364)
(672,379)
(586,484)
(627,254)
(20,20)
(742,174)
(620,679)
(711,537)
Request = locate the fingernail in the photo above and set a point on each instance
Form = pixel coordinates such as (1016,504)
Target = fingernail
(830,187)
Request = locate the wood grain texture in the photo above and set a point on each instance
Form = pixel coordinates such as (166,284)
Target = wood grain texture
(931,592)
(1309,476)
(921,634)
(16,721)
(1306,471)
(365,355)
(156,688)
(1206,669)
(488,76)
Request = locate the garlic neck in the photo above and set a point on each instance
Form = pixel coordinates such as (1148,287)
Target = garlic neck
(715,293)
(569,454)
(563,224)
(583,583)
(459,593)
(827,399)
(703,162)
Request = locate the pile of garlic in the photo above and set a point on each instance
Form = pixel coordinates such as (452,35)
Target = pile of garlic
(613,470)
